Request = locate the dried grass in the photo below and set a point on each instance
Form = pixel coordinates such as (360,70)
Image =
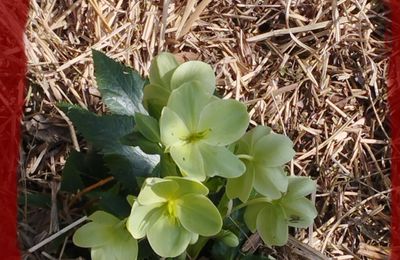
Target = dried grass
(314,70)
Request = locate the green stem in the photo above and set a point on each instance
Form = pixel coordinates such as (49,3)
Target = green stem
(250,202)
(245,157)
(194,250)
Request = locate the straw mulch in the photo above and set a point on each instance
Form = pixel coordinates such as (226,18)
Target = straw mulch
(312,69)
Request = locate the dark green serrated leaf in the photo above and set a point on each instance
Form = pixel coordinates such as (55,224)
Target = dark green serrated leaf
(254,257)
(123,170)
(168,166)
(220,250)
(148,127)
(235,224)
(135,138)
(82,170)
(225,205)
(215,184)
(37,200)
(105,132)
(71,177)
(121,87)
(114,204)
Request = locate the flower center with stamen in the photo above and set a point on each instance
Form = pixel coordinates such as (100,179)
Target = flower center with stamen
(171,207)
(194,137)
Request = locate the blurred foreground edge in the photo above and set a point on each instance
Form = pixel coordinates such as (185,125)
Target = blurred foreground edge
(13,16)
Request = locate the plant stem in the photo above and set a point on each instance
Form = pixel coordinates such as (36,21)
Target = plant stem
(245,157)
(250,202)
(194,250)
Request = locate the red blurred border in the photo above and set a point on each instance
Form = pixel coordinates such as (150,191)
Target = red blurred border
(394,103)
(13,16)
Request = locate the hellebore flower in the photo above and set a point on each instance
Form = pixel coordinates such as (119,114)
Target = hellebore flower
(172,213)
(166,75)
(196,127)
(108,238)
(272,218)
(264,153)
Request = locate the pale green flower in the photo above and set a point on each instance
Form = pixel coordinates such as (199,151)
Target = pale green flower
(264,154)
(196,127)
(107,237)
(166,75)
(272,218)
(172,213)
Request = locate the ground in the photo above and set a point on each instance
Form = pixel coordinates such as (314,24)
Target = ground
(314,70)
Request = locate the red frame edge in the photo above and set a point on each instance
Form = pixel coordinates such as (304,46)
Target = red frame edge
(13,17)
(394,104)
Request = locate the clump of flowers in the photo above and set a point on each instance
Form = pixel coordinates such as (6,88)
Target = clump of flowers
(173,209)
(271,218)
(207,164)
(196,127)
(104,234)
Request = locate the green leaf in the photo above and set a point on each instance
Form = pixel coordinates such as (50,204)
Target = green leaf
(215,184)
(220,250)
(148,127)
(234,223)
(114,203)
(161,69)
(125,170)
(135,138)
(226,121)
(39,200)
(83,169)
(154,99)
(199,215)
(228,238)
(255,257)
(272,225)
(121,87)
(105,132)
(71,179)
(225,206)
(168,166)
(194,70)
(167,237)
